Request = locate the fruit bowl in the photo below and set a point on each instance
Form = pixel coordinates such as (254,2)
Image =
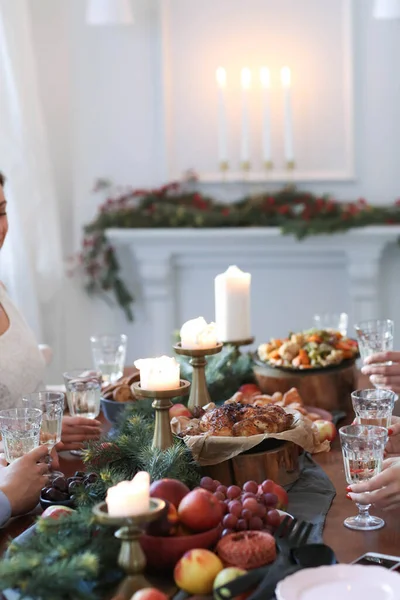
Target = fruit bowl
(70,502)
(162,553)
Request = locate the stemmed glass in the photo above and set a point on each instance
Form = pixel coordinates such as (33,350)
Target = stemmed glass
(52,406)
(375,336)
(374,407)
(363,447)
(109,352)
(20,430)
(83,389)
(335,321)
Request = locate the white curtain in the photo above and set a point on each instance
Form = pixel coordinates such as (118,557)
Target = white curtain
(31,260)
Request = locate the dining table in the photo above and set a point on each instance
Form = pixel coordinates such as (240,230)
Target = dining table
(347,544)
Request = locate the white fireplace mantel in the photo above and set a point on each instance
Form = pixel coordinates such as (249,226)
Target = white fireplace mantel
(292,279)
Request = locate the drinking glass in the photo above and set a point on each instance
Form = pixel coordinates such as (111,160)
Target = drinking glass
(374,407)
(109,352)
(375,336)
(52,406)
(363,447)
(335,321)
(20,429)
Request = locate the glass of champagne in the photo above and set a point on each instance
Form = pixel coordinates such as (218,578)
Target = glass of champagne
(375,336)
(334,321)
(20,430)
(83,389)
(52,406)
(363,447)
(374,407)
(109,353)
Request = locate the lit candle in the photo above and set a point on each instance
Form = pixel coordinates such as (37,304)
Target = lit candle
(266,110)
(245,153)
(197,333)
(288,126)
(222,126)
(232,305)
(129,498)
(161,373)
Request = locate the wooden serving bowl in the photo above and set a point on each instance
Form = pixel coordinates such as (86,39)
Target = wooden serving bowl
(162,553)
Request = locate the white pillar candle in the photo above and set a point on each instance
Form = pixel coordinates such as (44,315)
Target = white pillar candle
(288,125)
(232,305)
(222,123)
(266,113)
(161,373)
(245,140)
(129,498)
(197,333)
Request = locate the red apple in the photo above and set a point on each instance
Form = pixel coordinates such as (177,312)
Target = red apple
(56,511)
(326,430)
(283,499)
(167,524)
(196,570)
(149,594)
(200,510)
(170,490)
(249,389)
(179,410)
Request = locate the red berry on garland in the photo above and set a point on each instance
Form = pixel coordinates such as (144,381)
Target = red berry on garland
(397,203)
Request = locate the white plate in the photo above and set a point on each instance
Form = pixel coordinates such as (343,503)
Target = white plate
(344,582)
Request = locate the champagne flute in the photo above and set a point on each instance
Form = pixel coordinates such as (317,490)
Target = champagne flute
(374,406)
(20,430)
(363,447)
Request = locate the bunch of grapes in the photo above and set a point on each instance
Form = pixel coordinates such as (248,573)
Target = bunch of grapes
(252,507)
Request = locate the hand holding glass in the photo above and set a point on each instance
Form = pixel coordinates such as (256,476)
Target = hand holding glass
(20,430)
(374,407)
(375,336)
(363,447)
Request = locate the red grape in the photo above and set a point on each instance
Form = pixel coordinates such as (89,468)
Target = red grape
(270,500)
(219,495)
(251,504)
(273,518)
(268,529)
(226,531)
(241,525)
(229,521)
(267,486)
(216,483)
(233,491)
(261,510)
(222,489)
(224,507)
(235,507)
(246,514)
(256,523)
(251,486)
(248,495)
(207,483)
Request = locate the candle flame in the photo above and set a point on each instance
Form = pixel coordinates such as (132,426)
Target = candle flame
(286,77)
(265,77)
(246,78)
(220,75)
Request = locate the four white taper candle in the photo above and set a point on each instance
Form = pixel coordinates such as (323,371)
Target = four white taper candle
(245,152)
(288,125)
(222,122)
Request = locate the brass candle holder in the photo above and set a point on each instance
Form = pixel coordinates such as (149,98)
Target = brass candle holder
(199,395)
(131,558)
(162,438)
(238,343)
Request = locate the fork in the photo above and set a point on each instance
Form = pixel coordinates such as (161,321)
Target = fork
(291,534)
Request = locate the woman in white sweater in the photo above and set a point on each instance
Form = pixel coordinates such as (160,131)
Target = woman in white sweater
(22,363)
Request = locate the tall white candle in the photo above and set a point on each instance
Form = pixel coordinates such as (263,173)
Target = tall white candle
(266,111)
(245,140)
(232,305)
(161,373)
(222,122)
(129,498)
(197,333)
(288,125)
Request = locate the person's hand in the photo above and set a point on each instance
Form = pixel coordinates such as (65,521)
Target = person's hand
(76,430)
(393,445)
(23,479)
(384,375)
(383,490)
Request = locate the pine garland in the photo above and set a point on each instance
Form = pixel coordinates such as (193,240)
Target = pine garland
(294,212)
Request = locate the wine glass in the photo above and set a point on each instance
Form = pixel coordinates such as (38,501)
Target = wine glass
(374,407)
(109,352)
(363,447)
(334,321)
(20,430)
(375,335)
(83,388)
(52,406)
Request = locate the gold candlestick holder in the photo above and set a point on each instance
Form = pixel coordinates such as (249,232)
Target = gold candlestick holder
(162,438)
(199,395)
(131,558)
(290,165)
(239,343)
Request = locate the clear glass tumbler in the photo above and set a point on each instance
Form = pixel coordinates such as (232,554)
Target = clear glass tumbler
(363,447)
(109,353)
(335,321)
(20,430)
(374,407)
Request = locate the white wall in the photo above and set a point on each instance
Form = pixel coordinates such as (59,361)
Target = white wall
(102,94)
